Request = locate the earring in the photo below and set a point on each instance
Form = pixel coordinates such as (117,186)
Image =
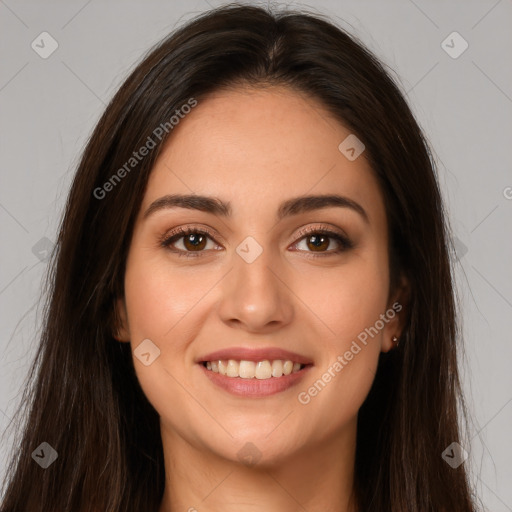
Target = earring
(395,341)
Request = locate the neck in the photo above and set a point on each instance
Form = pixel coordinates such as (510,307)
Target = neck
(314,478)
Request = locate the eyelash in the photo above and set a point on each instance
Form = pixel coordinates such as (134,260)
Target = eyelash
(168,239)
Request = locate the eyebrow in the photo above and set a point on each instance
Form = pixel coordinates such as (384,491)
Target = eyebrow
(293,206)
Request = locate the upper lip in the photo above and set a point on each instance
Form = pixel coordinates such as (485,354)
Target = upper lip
(254,354)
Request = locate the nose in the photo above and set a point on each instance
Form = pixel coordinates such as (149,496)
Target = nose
(256,296)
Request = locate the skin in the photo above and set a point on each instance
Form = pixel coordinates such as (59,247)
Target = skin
(256,148)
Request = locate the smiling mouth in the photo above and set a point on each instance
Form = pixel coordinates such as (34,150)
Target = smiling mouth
(261,370)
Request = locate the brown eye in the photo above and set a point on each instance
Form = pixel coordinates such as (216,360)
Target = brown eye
(322,242)
(186,242)
(317,242)
(194,242)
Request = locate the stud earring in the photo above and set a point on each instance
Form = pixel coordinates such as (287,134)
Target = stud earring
(395,341)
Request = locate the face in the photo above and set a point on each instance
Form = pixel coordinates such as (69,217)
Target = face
(257,277)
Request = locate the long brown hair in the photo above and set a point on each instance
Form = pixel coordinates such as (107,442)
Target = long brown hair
(84,399)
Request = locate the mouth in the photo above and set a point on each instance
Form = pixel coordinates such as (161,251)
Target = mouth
(254,373)
(261,370)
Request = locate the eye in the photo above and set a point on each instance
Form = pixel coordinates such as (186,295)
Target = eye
(318,240)
(192,240)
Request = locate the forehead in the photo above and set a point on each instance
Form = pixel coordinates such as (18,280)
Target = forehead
(256,148)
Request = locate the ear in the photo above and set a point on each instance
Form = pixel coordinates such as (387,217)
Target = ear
(121,331)
(396,314)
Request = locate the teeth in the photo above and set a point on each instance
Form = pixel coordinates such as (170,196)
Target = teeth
(233,368)
(263,370)
(246,369)
(277,368)
(250,369)
(287,367)
(223,367)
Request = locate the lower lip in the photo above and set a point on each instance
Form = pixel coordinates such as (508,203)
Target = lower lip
(255,388)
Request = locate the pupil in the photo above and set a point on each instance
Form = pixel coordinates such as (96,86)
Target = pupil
(317,240)
(192,238)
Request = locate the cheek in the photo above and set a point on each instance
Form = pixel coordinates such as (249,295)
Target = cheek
(165,304)
(347,299)
(350,301)
(162,304)
(159,297)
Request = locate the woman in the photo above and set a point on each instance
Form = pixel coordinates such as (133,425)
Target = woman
(251,304)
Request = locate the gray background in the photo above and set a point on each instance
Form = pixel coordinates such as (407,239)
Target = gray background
(464,104)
